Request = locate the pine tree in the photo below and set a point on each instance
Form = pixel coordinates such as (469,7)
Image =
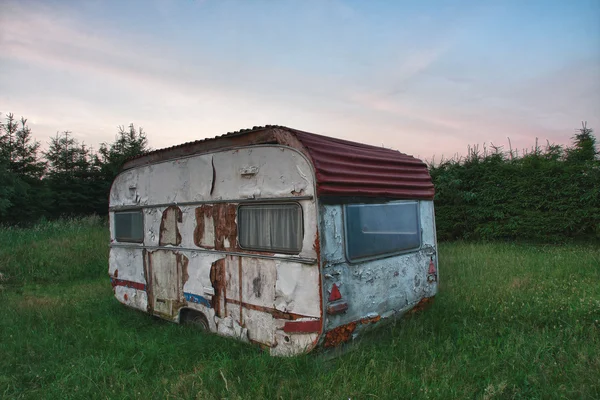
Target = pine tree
(23,197)
(70,176)
(128,143)
(584,145)
(25,161)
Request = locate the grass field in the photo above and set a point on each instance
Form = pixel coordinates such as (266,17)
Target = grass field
(510,321)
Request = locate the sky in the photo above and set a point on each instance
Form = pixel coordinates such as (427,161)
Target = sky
(427,78)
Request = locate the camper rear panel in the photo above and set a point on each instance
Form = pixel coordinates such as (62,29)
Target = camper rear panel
(378,261)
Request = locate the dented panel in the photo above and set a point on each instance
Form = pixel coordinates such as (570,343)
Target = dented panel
(191,261)
(190,258)
(374,289)
(295,289)
(126,264)
(267,172)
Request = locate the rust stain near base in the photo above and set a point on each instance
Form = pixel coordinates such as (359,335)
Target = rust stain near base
(421,305)
(183,261)
(240,285)
(371,320)
(339,335)
(217,280)
(274,312)
(148,275)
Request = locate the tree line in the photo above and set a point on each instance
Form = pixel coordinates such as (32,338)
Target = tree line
(544,194)
(548,193)
(69,179)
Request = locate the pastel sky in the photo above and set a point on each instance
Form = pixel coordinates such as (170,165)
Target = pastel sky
(424,77)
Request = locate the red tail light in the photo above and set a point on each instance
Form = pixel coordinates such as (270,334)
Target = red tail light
(432,273)
(335,293)
(336,306)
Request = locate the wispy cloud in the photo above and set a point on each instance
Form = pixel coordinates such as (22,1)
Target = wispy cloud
(410,92)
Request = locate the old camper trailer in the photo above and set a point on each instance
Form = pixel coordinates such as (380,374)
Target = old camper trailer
(283,238)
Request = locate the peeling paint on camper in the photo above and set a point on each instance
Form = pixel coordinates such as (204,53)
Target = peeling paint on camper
(190,265)
(377,288)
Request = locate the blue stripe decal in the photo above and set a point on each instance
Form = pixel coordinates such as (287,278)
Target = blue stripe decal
(196,298)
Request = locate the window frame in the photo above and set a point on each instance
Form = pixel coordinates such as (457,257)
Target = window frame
(358,260)
(271,250)
(121,240)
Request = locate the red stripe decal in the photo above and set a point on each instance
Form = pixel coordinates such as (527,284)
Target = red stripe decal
(129,284)
(302,326)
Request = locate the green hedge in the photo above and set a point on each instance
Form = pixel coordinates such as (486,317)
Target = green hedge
(545,196)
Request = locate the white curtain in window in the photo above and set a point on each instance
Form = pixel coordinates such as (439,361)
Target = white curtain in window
(271,227)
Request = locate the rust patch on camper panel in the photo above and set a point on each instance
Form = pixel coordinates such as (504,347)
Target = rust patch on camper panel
(317,246)
(339,335)
(225,226)
(169,231)
(182,270)
(204,213)
(370,320)
(147,269)
(183,261)
(274,312)
(217,280)
(240,277)
(421,305)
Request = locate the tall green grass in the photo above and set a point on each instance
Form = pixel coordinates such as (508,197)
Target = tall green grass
(510,321)
(54,251)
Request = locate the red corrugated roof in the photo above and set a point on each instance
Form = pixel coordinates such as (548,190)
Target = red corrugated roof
(342,168)
(345,168)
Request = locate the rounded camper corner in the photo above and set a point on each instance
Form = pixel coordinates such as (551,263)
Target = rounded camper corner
(346,333)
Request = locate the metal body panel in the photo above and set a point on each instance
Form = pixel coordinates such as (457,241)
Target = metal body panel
(379,288)
(191,259)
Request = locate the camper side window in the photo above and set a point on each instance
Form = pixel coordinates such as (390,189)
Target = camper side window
(271,227)
(377,230)
(129,226)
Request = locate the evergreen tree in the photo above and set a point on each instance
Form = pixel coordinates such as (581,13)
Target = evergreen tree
(8,134)
(23,197)
(128,143)
(70,176)
(584,145)
(25,161)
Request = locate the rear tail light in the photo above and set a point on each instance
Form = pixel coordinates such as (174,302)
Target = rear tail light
(335,293)
(432,273)
(337,304)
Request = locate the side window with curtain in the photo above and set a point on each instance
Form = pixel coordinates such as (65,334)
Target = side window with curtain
(271,227)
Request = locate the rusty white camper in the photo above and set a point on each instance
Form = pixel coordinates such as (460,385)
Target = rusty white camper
(283,238)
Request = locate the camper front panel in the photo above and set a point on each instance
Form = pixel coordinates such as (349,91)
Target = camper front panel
(250,272)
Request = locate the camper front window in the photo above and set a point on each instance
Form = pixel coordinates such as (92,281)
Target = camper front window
(271,227)
(378,230)
(129,226)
